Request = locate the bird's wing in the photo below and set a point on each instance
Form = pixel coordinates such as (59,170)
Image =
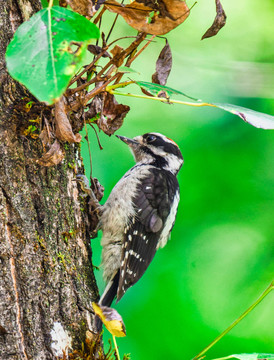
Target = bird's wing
(152,202)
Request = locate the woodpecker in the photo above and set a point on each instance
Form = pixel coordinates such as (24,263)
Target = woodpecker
(140,212)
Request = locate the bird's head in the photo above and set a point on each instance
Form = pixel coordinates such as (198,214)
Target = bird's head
(155,149)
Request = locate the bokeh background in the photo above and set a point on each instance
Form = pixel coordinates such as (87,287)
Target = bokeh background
(220,256)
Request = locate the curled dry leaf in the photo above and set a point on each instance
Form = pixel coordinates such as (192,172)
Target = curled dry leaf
(163,66)
(63,129)
(218,22)
(167,15)
(96,50)
(95,107)
(111,318)
(112,115)
(83,7)
(53,157)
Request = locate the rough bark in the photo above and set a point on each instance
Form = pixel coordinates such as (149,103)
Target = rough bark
(46,274)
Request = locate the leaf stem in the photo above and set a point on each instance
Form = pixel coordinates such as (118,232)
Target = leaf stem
(240,318)
(50,4)
(120,85)
(169,101)
(116,347)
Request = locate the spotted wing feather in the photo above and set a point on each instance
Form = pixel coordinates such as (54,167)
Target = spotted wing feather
(152,202)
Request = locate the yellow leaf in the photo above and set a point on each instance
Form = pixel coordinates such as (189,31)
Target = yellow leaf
(111,319)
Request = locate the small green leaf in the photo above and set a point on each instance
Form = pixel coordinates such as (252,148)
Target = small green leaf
(155,89)
(47,50)
(125,69)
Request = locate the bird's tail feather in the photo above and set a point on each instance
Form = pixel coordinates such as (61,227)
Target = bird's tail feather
(110,291)
(107,297)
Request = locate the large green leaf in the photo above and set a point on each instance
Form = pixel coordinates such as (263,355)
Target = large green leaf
(47,50)
(255,118)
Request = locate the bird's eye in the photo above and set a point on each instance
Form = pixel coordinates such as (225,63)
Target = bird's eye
(150,138)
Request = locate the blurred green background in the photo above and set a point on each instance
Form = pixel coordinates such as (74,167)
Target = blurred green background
(220,256)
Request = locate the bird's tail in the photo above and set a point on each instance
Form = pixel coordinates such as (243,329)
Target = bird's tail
(107,297)
(110,291)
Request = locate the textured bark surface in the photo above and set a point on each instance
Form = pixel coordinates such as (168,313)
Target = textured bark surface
(46,273)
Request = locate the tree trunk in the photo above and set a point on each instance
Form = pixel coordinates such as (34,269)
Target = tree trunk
(46,275)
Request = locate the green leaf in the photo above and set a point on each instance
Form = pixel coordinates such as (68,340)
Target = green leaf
(155,89)
(47,50)
(255,356)
(125,69)
(255,118)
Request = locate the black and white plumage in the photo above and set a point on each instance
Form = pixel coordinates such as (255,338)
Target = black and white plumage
(140,212)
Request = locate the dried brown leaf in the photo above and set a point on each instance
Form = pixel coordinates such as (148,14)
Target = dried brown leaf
(44,136)
(96,50)
(83,7)
(63,129)
(168,15)
(116,52)
(95,107)
(112,115)
(163,65)
(63,3)
(144,91)
(53,157)
(218,22)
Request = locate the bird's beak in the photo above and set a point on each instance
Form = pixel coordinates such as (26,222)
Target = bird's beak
(128,141)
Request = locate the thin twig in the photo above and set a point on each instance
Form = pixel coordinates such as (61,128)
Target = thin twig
(98,17)
(114,22)
(97,136)
(89,66)
(130,60)
(96,91)
(112,27)
(125,37)
(75,104)
(86,137)
(97,78)
(83,86)
(140,51)
(240,318)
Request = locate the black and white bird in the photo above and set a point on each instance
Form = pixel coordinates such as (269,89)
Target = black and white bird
(140,212)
